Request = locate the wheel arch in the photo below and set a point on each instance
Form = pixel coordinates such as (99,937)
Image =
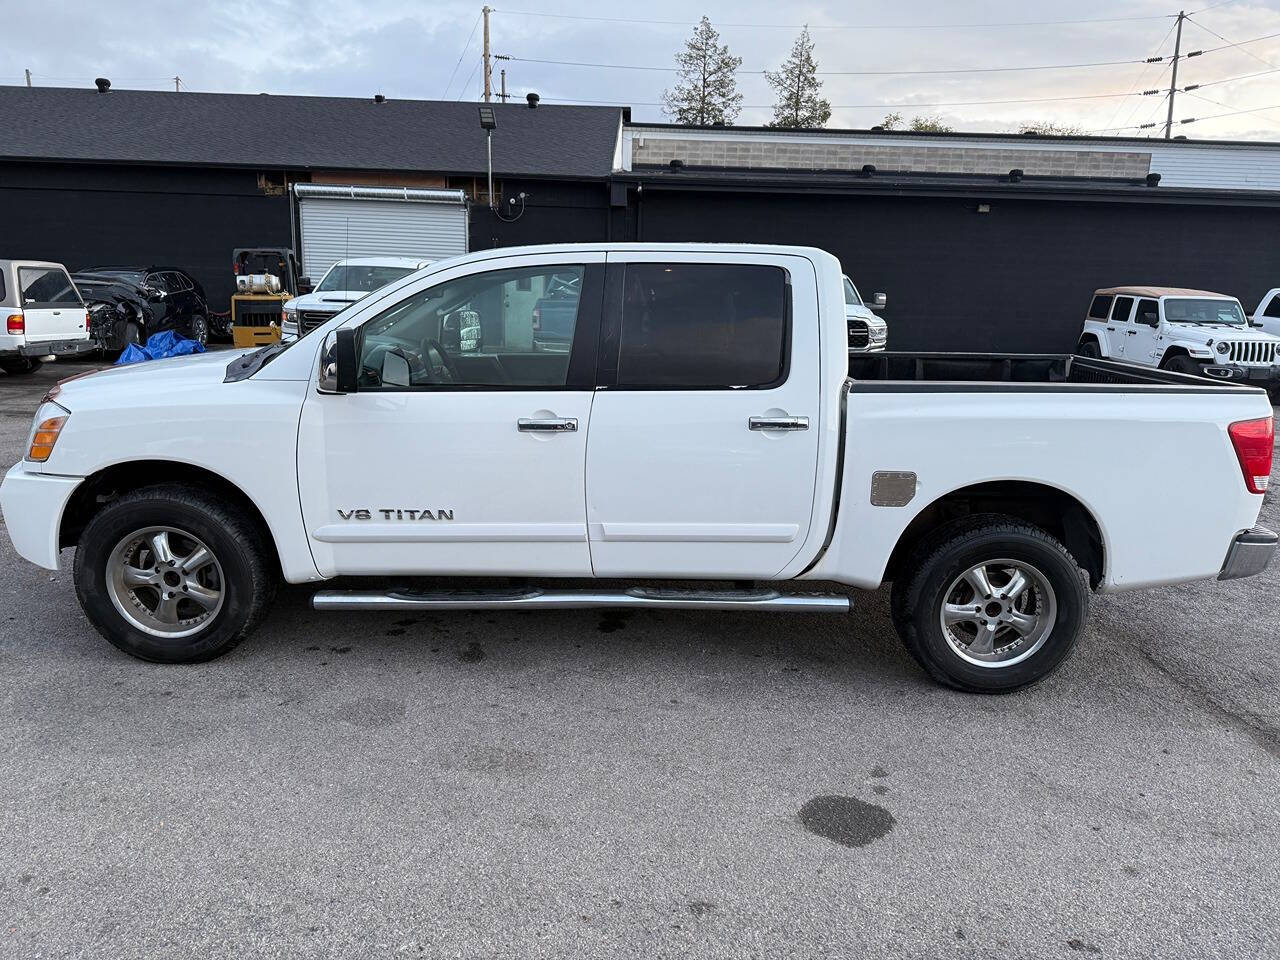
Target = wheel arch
(103,486)
(1171,351)
(1091,336)
(1053,509)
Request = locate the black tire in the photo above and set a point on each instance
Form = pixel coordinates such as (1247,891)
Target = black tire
(123,333)
(20,366)
(1183,364)
(248,574)
(1090,349)
(933,570)
(199,328)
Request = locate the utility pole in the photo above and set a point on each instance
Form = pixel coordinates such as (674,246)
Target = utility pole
(177,84)
(488,66)
(28,73)
(503,94)
(1173,81)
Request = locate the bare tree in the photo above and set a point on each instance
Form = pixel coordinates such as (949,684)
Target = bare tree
(798,88)
(707,89)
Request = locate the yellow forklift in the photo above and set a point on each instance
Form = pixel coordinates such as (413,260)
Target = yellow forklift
(265,278)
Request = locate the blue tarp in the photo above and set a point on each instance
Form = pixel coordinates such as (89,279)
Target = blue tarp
(158,346)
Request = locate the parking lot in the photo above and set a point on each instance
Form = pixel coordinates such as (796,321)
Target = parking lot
(558,784)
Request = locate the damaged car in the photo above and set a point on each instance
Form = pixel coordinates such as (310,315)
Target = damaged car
(127,305)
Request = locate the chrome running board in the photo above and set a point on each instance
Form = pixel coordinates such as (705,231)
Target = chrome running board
(523,599)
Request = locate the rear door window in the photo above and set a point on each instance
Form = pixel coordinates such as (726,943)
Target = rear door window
(46,286)
(1101,304)
(704,326)
(1121,311)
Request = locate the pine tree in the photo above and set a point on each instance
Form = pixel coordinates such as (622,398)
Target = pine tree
(707,90)
(797,87)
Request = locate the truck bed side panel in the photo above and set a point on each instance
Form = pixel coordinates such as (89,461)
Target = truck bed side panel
(1156,470)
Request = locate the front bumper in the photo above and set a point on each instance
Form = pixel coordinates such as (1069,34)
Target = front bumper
(33,504)
(1238,373)
(58,348)
(1250,553)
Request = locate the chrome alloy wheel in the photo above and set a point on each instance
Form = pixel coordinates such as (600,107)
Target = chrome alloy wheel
(165,582)
(998,612)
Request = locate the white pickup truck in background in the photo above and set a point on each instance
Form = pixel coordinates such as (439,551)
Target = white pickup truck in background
(43,315)
(704,422)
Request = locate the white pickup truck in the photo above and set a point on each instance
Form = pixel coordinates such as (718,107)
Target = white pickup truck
(706,426)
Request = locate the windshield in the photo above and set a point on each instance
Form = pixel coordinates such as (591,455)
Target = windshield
(851,298)
(356,277)
(1204,311)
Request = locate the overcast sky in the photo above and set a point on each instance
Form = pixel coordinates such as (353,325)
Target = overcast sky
(422,51)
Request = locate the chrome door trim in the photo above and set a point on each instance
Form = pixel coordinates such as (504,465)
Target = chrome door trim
(552,425)
(778,423)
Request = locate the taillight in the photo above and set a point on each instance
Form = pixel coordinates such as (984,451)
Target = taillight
(16,324)
(1254,441)
(537,319)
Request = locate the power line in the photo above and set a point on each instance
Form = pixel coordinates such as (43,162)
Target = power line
(465,47)
(1219,103)
(886,106)
(841,26)
(851,73)
(1142,75)
(1232,43)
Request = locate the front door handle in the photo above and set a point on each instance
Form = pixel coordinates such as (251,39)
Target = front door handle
(553,425)
(778,423)
(1132,333)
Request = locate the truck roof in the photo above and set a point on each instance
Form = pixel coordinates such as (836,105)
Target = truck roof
(1158,292)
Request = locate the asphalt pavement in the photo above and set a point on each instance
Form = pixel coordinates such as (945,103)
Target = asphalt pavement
(579,784)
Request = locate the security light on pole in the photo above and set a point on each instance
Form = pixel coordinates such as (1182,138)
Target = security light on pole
(488,122)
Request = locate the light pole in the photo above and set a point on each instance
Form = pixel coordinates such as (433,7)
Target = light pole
(487,123)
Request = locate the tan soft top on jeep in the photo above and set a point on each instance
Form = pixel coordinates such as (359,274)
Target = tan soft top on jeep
(1160,292)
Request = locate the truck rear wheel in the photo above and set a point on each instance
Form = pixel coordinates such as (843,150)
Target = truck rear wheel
(990,604)
(17,366)
(173,574)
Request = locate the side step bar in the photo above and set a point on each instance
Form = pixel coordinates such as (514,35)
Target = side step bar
(526,599)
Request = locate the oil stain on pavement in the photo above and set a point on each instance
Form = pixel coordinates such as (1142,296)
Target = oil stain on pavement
(847,821)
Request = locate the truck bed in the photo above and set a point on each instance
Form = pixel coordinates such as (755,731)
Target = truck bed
(990,371)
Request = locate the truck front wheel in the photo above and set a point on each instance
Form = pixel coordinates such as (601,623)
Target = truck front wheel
(990,604)
(173,574)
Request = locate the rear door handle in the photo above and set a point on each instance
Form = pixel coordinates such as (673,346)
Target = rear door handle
(553,425)
(778,423)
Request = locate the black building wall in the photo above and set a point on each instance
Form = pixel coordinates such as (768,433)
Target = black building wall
(189,218)
(552,212)
(1018,279)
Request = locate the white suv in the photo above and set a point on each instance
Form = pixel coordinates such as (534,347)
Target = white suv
(43,315)
(1186,331)
(342,285)
(867,332)
(1267,316)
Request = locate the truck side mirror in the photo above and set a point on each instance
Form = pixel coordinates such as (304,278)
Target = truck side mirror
(879,301)
(338,371)
(305,286)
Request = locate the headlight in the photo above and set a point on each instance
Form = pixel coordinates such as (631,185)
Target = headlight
(1224,347)
(45,430)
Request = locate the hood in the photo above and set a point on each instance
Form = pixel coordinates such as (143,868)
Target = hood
(330,300)
(1219,331)
(107,291)
(156,376)
(852,312)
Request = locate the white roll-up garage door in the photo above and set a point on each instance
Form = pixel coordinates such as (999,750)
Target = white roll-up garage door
(338,222)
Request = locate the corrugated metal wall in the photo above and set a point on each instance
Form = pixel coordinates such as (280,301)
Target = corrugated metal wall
(342,222)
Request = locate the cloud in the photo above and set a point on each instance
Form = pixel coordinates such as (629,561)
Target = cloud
(343,49)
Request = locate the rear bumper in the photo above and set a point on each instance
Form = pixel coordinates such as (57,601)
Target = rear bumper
(1250,553)
(32,504)
(43,348)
